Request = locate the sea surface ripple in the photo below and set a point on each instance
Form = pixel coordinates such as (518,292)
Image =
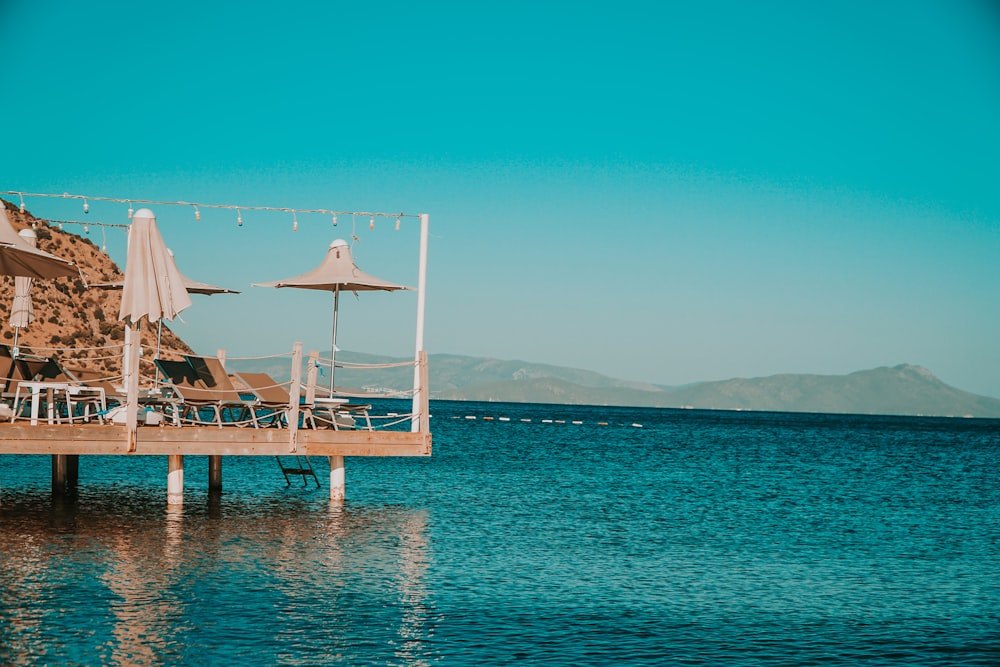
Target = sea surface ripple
(635,536)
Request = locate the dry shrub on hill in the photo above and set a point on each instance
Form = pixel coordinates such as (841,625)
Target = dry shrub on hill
(73,321)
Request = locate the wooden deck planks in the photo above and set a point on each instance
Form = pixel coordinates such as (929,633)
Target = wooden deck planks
(98,439)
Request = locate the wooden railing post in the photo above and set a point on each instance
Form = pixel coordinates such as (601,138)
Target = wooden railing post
(425,395)
(293,398)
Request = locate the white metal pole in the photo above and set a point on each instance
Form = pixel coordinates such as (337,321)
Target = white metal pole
(333,336)
(421,301)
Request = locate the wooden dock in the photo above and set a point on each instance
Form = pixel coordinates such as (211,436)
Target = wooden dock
(83,439)
(66,442)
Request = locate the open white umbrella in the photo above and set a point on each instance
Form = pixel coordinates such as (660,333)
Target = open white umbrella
(19,258)
(192,287)
(153,288)
(336,273)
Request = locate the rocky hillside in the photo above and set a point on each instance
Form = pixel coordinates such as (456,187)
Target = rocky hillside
(73,321)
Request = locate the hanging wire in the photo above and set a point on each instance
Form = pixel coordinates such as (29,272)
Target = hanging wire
(199,205)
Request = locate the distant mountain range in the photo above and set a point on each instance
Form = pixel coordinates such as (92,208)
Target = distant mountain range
(899,390)
(82,323)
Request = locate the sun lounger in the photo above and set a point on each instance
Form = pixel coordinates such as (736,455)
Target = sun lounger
(270,395)
(201,384)
(9,377)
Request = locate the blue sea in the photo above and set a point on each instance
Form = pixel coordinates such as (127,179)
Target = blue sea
(581,536)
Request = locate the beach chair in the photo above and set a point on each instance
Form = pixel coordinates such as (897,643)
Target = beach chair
(114,394)
(269,395)
(201,384)
(7,369)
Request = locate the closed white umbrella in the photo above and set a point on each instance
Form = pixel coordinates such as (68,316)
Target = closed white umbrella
(153,288)
(22,311)
(337,272)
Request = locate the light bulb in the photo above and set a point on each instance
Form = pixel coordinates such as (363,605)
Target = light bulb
(371,225)
(295,223)
(239,218)
(130,211)
(60,227)
(397,223)
(334,219)
(86,229)
(22,201)
(86,206)
(197,213)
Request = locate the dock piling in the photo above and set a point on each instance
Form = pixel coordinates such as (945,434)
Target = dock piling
(175,479)
(337,479)
(214,473)
(65,473)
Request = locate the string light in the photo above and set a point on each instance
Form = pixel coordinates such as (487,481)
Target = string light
(197,206)
(397,223)
(239,218)
(295,222)
(86,229)
(60,223)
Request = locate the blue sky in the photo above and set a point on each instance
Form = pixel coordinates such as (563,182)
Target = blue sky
(667,192)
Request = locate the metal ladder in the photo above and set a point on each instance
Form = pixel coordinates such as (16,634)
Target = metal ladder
(303,467)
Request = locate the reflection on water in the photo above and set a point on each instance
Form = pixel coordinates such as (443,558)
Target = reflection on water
(122,579)
(703,538)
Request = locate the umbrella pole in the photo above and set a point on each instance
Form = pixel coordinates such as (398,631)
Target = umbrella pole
(132,386)
(333,348)
(15,351)
(159,334)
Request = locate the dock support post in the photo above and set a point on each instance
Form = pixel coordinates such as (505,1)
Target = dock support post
(59,474)
(175,479)
(72,470)
(65,473)
(214,473)
(337,479)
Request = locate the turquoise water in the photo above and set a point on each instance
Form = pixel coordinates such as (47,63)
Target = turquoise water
(662,538)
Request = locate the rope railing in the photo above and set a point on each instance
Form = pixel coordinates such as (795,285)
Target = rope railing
(231,404)
(281,355)
(73,349)
(391,393)
(325,362)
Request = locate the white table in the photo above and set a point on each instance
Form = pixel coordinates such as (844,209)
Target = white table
(51,392)
(35,390)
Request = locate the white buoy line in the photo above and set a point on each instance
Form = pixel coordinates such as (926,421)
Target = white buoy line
(528,420)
